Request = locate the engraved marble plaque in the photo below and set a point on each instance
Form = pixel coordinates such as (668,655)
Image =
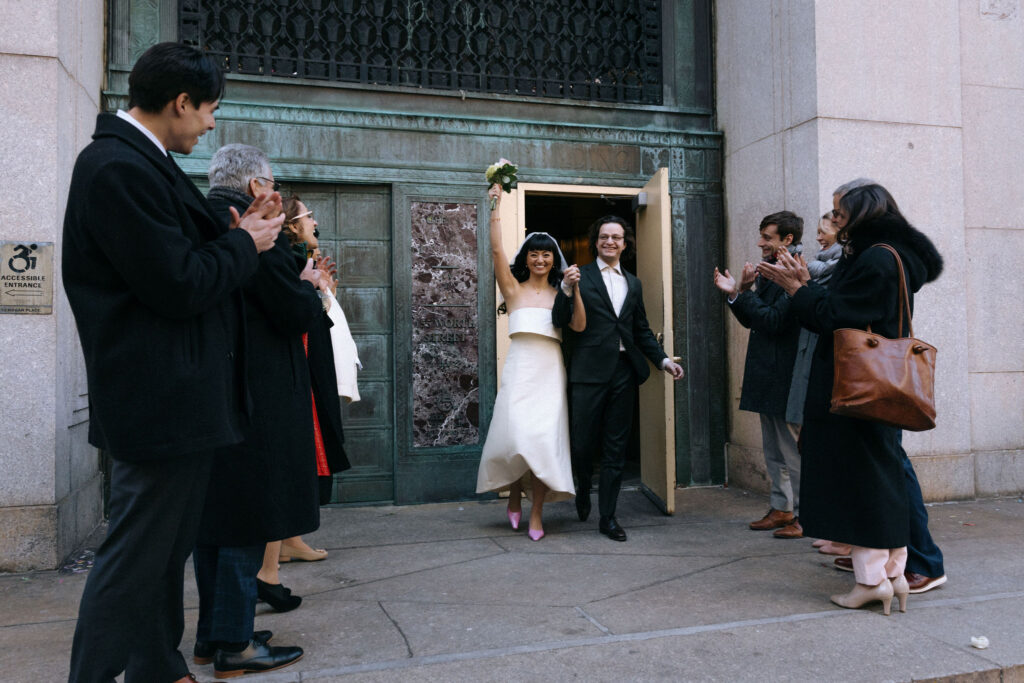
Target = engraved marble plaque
(445,353)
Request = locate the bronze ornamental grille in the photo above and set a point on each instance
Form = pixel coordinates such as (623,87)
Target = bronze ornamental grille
(597,50)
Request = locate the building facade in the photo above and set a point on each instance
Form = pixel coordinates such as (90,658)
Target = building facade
(694,118)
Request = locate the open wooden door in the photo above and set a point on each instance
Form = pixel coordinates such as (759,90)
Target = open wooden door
(657,414)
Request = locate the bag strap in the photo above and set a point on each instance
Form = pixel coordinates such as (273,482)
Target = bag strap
(904,294)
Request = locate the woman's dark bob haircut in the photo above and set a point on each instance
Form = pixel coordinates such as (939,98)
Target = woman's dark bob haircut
(166,70)
(863,204)
(537,242)
(595,229)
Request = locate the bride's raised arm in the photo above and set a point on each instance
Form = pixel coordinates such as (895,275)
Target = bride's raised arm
(507,284)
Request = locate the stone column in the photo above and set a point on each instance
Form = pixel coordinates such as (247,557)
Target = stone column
(992,75)
(925,98)
(51,69)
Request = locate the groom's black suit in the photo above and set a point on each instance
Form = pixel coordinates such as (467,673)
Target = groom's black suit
(603,379)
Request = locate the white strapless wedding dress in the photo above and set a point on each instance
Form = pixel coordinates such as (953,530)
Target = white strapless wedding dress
(529,432)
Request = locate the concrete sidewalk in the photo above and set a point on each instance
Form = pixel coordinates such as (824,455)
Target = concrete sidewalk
(448,592)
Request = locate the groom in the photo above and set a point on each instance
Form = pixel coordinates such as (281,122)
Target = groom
(606,364)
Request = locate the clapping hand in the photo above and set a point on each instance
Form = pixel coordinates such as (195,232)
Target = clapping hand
(725,282)
(313,276)
(262,220)
(328,270)
(747,276)
(787,272)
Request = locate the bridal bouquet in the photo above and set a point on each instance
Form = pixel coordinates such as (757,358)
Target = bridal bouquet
(503,172)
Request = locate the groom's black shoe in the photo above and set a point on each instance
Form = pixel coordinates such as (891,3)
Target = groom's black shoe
(610,528)
(583,505)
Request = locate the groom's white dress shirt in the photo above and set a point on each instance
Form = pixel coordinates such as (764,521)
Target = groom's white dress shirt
(615,283)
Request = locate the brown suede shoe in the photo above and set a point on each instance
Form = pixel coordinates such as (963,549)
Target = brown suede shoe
(773,520)
(843,564)
(793,530)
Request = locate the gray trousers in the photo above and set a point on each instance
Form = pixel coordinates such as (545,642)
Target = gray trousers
(782,462)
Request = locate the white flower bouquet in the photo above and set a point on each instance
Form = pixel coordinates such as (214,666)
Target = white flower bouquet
(502,172)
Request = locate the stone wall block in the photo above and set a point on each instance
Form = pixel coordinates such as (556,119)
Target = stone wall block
(744,71)
(746,468)
(800,165)
(945,477)
(754,187)
(999,473)
(799,92)
(994,329)
(889,72)
(29,27)
(28,538)
(27,145)
(997,410)
(993,146)
(992,43)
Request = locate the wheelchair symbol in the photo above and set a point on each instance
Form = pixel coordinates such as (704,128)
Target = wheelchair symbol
(23,254)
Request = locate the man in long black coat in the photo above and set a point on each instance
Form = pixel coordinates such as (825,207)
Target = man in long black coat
(264,489)
(608,361)
(768,371)
(152,277)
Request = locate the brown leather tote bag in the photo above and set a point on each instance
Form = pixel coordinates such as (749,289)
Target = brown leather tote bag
(886,380)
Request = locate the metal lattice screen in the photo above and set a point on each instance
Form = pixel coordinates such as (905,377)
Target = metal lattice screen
(599,50)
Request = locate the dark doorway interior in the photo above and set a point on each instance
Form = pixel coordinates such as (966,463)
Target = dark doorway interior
(567,219)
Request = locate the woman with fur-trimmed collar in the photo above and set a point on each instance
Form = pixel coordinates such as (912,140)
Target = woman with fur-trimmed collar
(853,487)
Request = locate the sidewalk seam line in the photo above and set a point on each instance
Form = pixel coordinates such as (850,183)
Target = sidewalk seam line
(638,636)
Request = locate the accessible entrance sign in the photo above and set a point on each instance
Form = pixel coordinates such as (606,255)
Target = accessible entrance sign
(26,278)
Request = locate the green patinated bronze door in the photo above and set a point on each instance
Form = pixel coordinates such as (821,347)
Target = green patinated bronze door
(355,229)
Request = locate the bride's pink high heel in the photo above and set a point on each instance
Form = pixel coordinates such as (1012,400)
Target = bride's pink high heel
(513,518)
(535,535)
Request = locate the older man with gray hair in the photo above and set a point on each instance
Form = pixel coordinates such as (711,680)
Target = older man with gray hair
(238,173)
(264,489)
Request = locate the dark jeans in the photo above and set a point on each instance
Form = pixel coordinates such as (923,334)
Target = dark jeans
(226,579)
(131,617)
(923,556)
(602,418)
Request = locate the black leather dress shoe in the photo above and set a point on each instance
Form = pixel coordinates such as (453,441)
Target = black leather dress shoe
(583,505)
(256,658)
(610,528)
(277,596)
(204,650)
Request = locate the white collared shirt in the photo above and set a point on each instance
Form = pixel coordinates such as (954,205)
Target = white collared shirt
(122,114)
(615,283)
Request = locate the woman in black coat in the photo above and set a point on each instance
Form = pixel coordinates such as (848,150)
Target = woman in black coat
(327,437)
(853,488)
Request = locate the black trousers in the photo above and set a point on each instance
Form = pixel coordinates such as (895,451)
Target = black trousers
(601,422)
(131,616)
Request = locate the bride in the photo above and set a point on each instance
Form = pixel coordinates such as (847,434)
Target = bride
(527,447)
